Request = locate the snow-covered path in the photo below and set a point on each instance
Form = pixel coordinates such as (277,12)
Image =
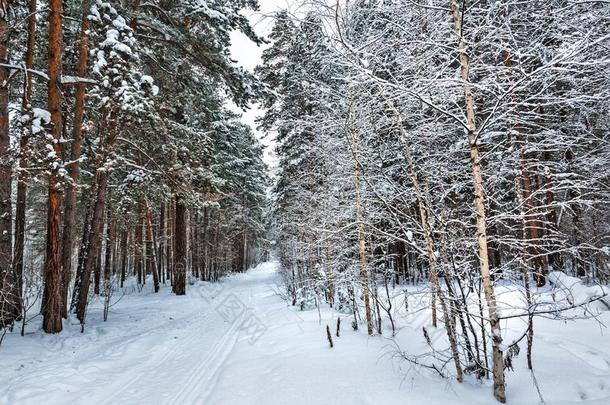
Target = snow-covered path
(238,342)
(234,342)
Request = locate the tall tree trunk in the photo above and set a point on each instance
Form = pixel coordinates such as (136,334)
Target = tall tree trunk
(479,205)
(152,244)
(90,257)
(124,252)
(97,221)
(195,244)
(244,252)
(532,225)
(206,260)
(180,254)
(169,258)
(75,153)
(163,242)
(169,246)
(7,281)
(83,247)
(110,239)
(138,247)
(97,269)
(23,161)
(52,305)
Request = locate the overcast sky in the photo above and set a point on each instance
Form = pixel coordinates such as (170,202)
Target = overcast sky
(248,55)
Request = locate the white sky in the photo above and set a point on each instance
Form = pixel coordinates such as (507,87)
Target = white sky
(248,55)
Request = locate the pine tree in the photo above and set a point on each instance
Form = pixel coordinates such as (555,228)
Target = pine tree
(6,274)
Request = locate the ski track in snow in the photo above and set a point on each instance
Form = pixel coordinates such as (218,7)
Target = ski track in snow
(203,378)
(163,349)
(140,373)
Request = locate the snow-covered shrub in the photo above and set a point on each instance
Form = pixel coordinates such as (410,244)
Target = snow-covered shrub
(573,291)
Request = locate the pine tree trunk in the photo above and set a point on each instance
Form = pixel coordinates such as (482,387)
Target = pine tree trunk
(206,260)
(138,247)
(93,245)
(169,258)
(75,154)
(152,244)
(180,246)
(22,184)
(244,249)
(163,242)
(7,281)
(52,305)
(124,253)
(83,248)
(215,252)
(532,225)
(97,269)
(479,205)
(110,240)
(195,244)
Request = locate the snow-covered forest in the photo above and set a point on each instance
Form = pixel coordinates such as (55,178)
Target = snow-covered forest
(433,225)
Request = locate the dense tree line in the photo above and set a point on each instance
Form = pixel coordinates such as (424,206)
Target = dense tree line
(118,155)
(452,143)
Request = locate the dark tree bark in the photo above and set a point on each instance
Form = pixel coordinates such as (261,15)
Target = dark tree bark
(82,250)
(97,270)
(206,260)
(532,224)
(7,307)
(163,243)
(138,248)
(180,253)
(75,153)
(23,162)
(124,253)
(215,253)
(52,304)
(93,246)
(154,267)
(171,216)
(195,254)
(110,234)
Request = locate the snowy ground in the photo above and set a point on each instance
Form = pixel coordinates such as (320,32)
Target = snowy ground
(237,342)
